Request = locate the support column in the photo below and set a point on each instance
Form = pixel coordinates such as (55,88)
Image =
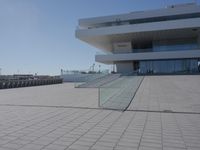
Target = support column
(124,67)
(119,48)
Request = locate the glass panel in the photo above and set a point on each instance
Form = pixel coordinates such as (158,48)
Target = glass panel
(175,45)
(119,93)
(169,66)
(88,78)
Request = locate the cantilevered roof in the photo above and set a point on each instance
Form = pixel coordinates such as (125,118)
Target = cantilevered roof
(103,38)
(189,8)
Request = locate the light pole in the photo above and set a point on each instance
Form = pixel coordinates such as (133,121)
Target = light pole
(99,68)
(93,67)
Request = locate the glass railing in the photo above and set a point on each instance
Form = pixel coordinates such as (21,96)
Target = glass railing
(119,22)
(151,50)
(83,80)
(89,78)
(133,51)
(118,94)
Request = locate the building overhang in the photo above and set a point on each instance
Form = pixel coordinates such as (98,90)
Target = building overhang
(103,38)
(111,58)
(180,9)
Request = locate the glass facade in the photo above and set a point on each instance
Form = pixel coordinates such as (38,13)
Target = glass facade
(169,66)
(165,45)
(175,45)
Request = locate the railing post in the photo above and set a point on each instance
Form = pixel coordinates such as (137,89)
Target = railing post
(99,97)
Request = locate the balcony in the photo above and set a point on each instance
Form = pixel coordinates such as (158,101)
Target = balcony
(110,58)
(103,38)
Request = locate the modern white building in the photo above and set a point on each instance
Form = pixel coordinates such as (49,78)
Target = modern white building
(148,42)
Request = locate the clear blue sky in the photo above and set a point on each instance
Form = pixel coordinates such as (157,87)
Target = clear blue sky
(38,35)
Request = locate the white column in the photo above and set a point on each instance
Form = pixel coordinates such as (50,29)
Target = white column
(198,40)
(124,67)
(119,48)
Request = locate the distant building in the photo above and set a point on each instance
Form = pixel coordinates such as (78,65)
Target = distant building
(156,41)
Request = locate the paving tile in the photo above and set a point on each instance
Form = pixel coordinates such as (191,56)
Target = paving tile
(173,148)
(3,148)
(100,147)
(150,144)
(62,143)
(31,147)
(48,128)
(12,146)
(79,147)
(3,141)
(125,148)
(149,148)
(20,142)
(178,88)
(128,144)
(55,147)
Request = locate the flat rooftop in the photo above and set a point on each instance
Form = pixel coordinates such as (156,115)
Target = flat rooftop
(172,10)
(164,114)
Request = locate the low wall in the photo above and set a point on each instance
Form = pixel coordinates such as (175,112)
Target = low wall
(26,83)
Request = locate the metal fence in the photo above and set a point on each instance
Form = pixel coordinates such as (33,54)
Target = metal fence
(26,83)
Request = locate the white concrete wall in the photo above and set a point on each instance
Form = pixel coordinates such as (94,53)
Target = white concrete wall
(184,9)
(122,47)
(135,28)
(124,67)
(148,56)
(103,37)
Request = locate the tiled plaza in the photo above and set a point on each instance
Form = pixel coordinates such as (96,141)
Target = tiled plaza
(170,93)
(34,118)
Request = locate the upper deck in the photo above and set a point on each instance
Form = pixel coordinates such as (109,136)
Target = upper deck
(173,22)
(174,12)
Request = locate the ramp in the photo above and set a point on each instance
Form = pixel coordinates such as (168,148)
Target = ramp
(119,93)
